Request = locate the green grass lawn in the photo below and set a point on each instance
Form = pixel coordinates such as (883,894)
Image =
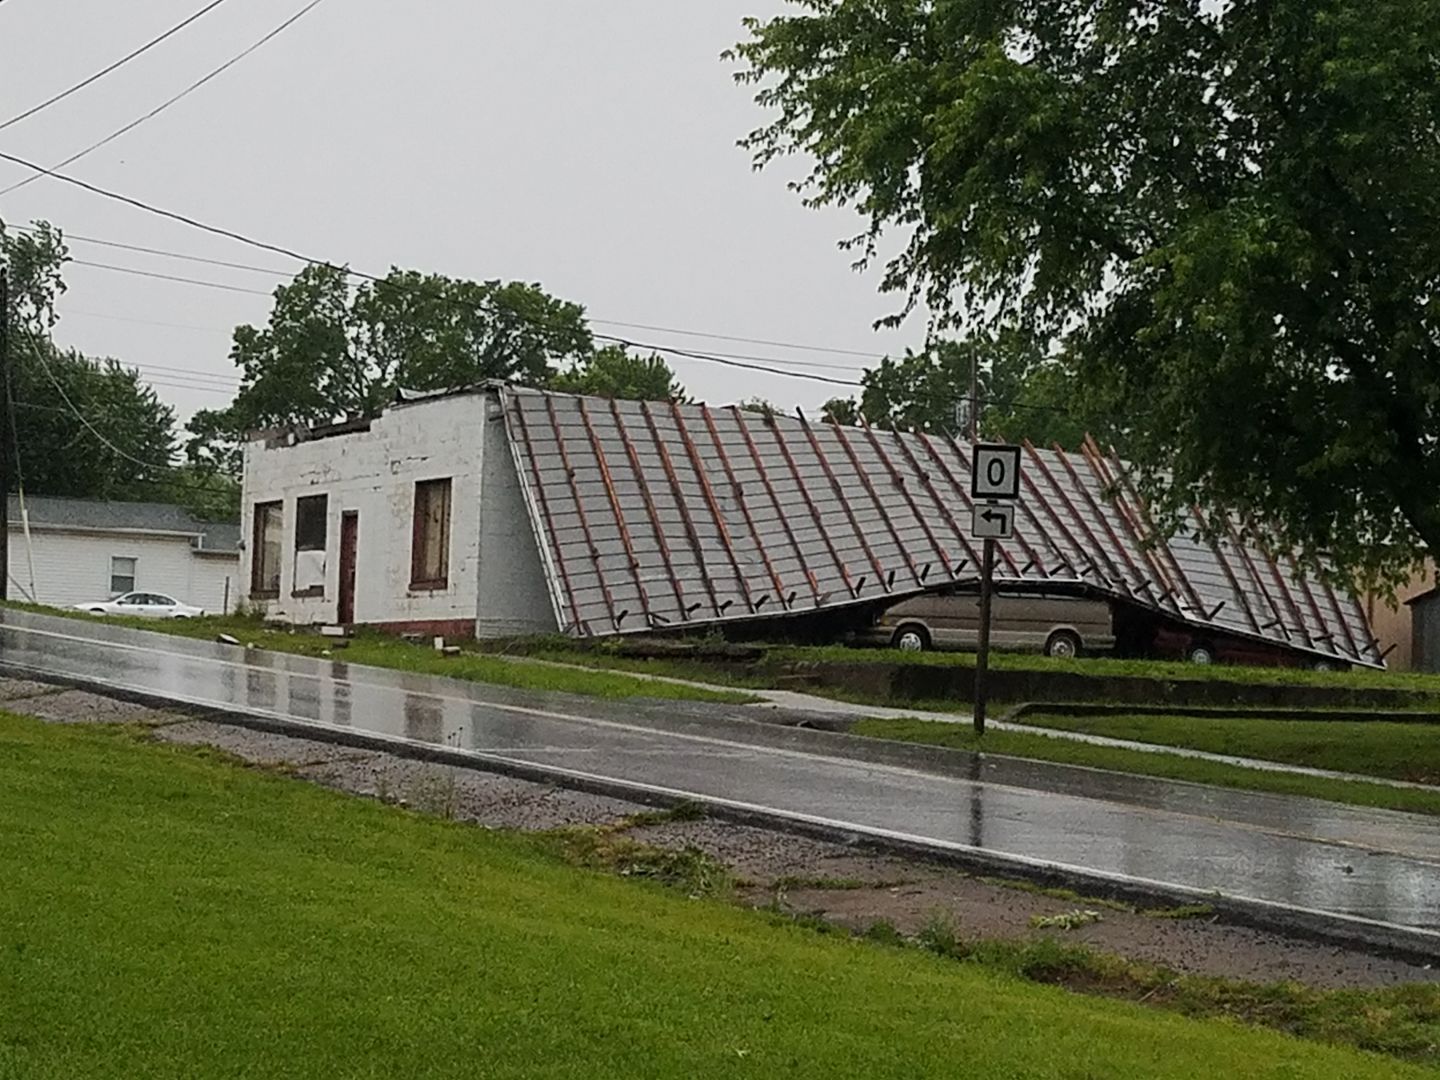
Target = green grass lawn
(379,650)
(1142,763)
(1397,751)
(168,914)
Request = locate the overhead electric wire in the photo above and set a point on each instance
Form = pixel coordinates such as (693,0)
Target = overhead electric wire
(172,483)
(289,253)
(39,354)
(168,277)
(771,364)
(112,67)
(215,230)
(741,340)
(72,312)
(273,272)
(75,238)
(162,107)
(188,372)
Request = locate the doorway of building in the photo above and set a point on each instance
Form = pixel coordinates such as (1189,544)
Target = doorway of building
(349,534)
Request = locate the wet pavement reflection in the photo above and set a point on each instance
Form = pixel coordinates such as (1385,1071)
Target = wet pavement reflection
(1367,863)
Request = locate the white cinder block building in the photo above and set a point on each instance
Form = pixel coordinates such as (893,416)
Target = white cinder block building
(412,522)
(79,551)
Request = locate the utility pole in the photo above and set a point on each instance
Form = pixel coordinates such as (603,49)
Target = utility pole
(974,397)
(7,437)
(982,658)
(987,574)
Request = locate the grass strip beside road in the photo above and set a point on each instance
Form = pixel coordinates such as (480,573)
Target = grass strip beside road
(769,672)
(167,914)
(380,650)
(1103,666)
(1143,763)
(1408,752)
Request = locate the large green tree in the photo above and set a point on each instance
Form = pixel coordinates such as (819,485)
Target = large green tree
(1229,211)
(332,351)
(82,427)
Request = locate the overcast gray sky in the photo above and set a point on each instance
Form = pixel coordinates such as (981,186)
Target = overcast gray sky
(587,146)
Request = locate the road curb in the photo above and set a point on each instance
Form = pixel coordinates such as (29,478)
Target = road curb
(1381,939)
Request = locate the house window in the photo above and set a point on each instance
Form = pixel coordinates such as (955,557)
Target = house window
(122,575)
(265,553)
(310,523)
(430,549)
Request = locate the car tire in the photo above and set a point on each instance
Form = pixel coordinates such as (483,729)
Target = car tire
(97,611)
(911,639)
(1200,652)
(1063,645)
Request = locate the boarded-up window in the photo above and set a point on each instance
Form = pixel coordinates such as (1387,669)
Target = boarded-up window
(122,575)
(310,535)
(430,553)
(310,523)
(266,548)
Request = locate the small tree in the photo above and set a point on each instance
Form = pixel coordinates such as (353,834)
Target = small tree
(613,372)
(331,352)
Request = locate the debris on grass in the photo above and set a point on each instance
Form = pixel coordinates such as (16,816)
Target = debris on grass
(1184,911)
(1401,1021)
(606,847)
(687,810)
(1068,920)
(1056,893)
(884,932)
(797,883)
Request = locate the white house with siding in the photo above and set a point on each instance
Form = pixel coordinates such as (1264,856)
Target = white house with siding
(77,551)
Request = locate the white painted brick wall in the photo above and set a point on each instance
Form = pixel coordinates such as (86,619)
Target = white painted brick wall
(73,567)
(374,473)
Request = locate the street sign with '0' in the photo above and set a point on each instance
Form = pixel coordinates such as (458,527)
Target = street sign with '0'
(993,521)
(996,472)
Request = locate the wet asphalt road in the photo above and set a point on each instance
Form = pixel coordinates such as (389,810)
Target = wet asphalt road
(1368,864)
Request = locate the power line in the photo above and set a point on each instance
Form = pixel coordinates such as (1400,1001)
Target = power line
(741,340)
(172,215)
(277,249)
(772,365)
(72,312)
(229,380)
(107,70)
(168,471)
(169,277)
(75,238)
(273,272)
(39,354)
(193,387)
(161,108)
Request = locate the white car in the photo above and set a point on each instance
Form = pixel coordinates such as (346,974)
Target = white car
(146,605)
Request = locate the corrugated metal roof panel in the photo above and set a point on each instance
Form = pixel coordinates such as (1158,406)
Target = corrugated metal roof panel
(658,515)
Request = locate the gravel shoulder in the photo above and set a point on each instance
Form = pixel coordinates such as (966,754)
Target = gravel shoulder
(849,887)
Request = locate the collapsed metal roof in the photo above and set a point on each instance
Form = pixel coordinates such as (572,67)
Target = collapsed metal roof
(659,516)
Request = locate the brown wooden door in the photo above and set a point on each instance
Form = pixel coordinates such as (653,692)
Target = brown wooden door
(349,534)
